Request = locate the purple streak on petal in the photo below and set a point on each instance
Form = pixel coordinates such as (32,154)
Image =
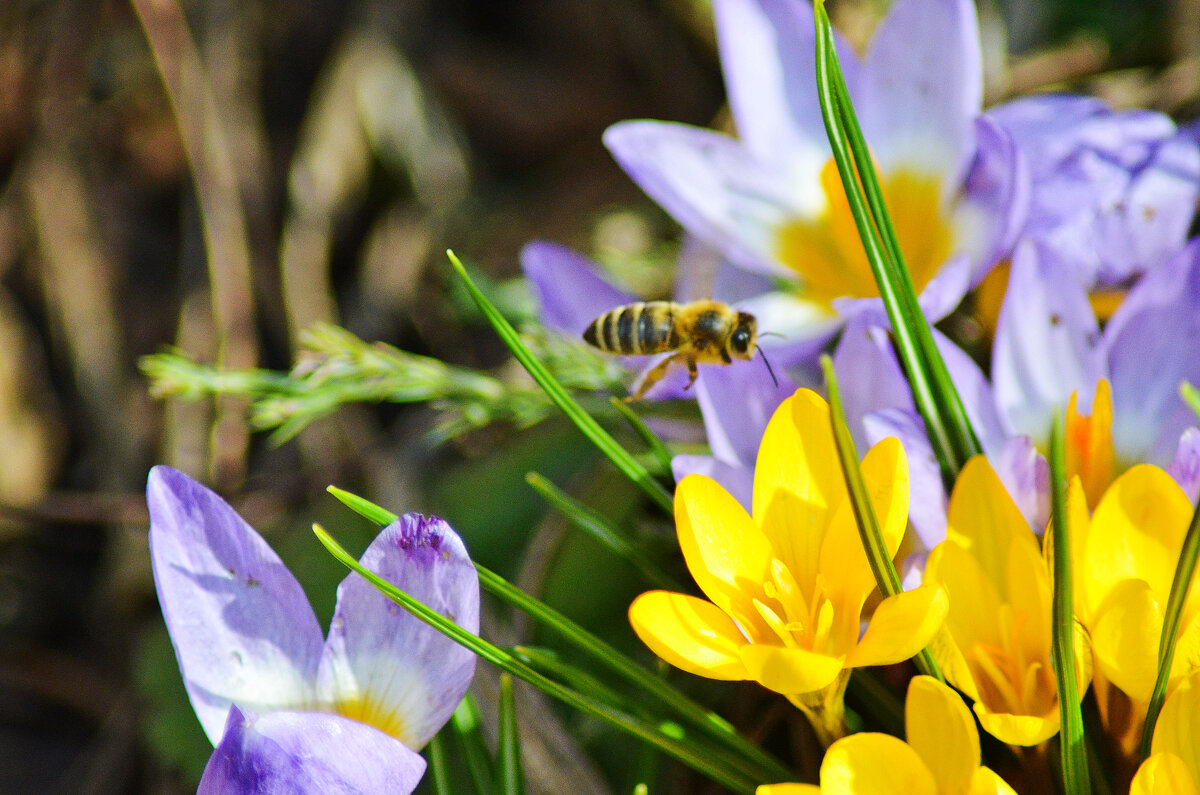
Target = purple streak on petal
(1185,466)
(377,653)
(736,405)
(1151,346)
(1026,476)
(767,52)
(713,186)
(736,479)
(1047,342)
(995,198)
(568,288)
(922,87)
(242,628)
(927,500)
(294,753)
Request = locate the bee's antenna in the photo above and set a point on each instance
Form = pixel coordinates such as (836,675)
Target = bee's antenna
(770,334)
(768,364)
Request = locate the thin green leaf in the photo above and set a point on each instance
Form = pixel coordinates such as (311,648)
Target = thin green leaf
(682,749)
(584,421)
(439,776)
(937,400)
(657,448)
(467,722)
(1076,776)
(1185,571)
(512,774)
(864,511)
(602,531)
(363,507)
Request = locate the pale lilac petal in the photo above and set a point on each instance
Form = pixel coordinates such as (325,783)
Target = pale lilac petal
(944,292)
(242,628)
(1113,191)
(869,376)
(792,330)
(768,54)
(995,198)
(927,495)
(1185,466)
(295,753)
(1151,346)
(978,399)
(1026,476)
(735,478)
(699,266)
(568,287)
(1047,342)
(406,674)
(736,405)
(922,87)
(715,188)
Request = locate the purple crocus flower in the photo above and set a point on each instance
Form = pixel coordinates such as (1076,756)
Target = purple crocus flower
(1113,191)
(771,199)
(288,709)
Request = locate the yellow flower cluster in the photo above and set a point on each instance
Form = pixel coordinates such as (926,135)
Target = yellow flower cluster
(789,605)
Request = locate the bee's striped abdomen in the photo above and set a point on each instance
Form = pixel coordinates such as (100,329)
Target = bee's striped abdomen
(635,329)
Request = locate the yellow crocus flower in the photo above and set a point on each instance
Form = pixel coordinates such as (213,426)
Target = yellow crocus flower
(999,619)
(1173,767)
(786,585)
(941,756)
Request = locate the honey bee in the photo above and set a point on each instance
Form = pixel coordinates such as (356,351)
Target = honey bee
(707,332)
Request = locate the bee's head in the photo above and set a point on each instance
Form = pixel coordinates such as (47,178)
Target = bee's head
(745,334)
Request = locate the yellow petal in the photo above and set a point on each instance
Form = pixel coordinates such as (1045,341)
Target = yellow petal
(974,601)
(690,634)
(1028,591)
(1164,774)
(986,782)
(797,454)
(1178,724)
(1137,531)
(1088,443)
(983,518)
(939,727)
(1023,730)
(724,550)
(788,789)
(1125,630)
(796,531)
(902,625)
(790,670)
(875,764)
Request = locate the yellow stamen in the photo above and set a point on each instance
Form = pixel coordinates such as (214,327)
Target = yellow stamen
(827,254)
(1089,444)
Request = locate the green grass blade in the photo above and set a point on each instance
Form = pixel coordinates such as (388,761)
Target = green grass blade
(602,531)
(1076,776)
(657,448)
(439,775)
(512,773)
(1191,396)
(584,421)
(682,749)
(885,573)
(467,723)
(938,402)
(1185,571)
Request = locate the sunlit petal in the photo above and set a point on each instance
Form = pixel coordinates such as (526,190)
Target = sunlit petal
(940,729)
(690,634)
(901,626)
(875,764)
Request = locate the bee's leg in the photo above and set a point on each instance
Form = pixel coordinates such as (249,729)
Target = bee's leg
(693,373)
(655,375)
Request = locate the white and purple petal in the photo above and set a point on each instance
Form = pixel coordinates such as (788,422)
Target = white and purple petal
(922,87)
(1047,342)
(1151,346)
(380,661)
(1185,466)
(994,201)
(241,625)
(295,753)
(716,189)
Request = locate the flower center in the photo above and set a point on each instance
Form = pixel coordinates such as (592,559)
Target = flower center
(827,253)
(1089,444)
(365,710)
(1007,678)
